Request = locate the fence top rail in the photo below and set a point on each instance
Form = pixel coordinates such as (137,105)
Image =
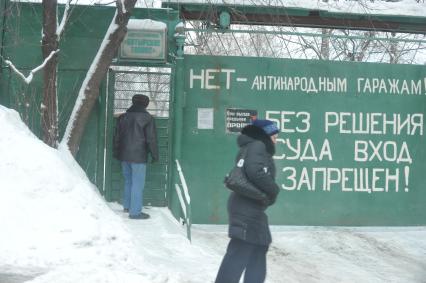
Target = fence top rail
(298,17)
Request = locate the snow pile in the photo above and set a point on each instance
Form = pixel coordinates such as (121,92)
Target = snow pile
(51,216)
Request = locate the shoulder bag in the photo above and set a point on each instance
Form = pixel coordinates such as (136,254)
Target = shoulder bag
(237,181)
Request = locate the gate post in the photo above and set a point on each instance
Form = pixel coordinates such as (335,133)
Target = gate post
(3,15)
(109,121)
(177,122)
(178,97)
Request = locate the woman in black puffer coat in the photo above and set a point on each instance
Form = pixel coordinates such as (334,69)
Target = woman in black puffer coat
(248,222)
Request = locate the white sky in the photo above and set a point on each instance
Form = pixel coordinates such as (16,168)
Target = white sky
(56,227)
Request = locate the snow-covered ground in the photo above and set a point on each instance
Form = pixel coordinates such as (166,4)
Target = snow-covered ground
(55,227)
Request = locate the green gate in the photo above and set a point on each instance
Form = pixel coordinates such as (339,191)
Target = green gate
(123,83)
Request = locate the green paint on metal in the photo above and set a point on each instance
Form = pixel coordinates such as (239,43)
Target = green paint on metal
(177,112)
(102,116)
(3,11)
(302,17)
(270,10)
(224,20)
(184,200)
(109,132)
(351,147)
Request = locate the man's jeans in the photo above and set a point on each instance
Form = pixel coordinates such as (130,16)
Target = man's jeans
(134,183)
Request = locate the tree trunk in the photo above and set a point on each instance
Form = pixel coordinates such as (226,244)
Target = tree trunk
(365,45)
(393,50)
(325,44)
(49,44)
(89,91)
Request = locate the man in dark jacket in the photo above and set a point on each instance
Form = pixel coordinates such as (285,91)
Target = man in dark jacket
(248,222)
(135,136)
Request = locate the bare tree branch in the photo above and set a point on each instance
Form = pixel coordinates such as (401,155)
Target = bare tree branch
(61,26)
(30,76)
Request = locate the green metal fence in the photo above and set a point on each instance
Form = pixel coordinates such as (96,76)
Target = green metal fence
(351,148)
(273,87)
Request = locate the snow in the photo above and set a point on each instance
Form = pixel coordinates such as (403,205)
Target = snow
(183,181)
(30,76)
(123,6)
(146,24)
(61,26)
(56,227)
(53,219)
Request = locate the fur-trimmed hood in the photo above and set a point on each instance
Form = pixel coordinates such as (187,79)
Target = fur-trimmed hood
(251,133)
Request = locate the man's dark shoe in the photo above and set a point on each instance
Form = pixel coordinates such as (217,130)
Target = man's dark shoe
(139,216)
(126,210)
